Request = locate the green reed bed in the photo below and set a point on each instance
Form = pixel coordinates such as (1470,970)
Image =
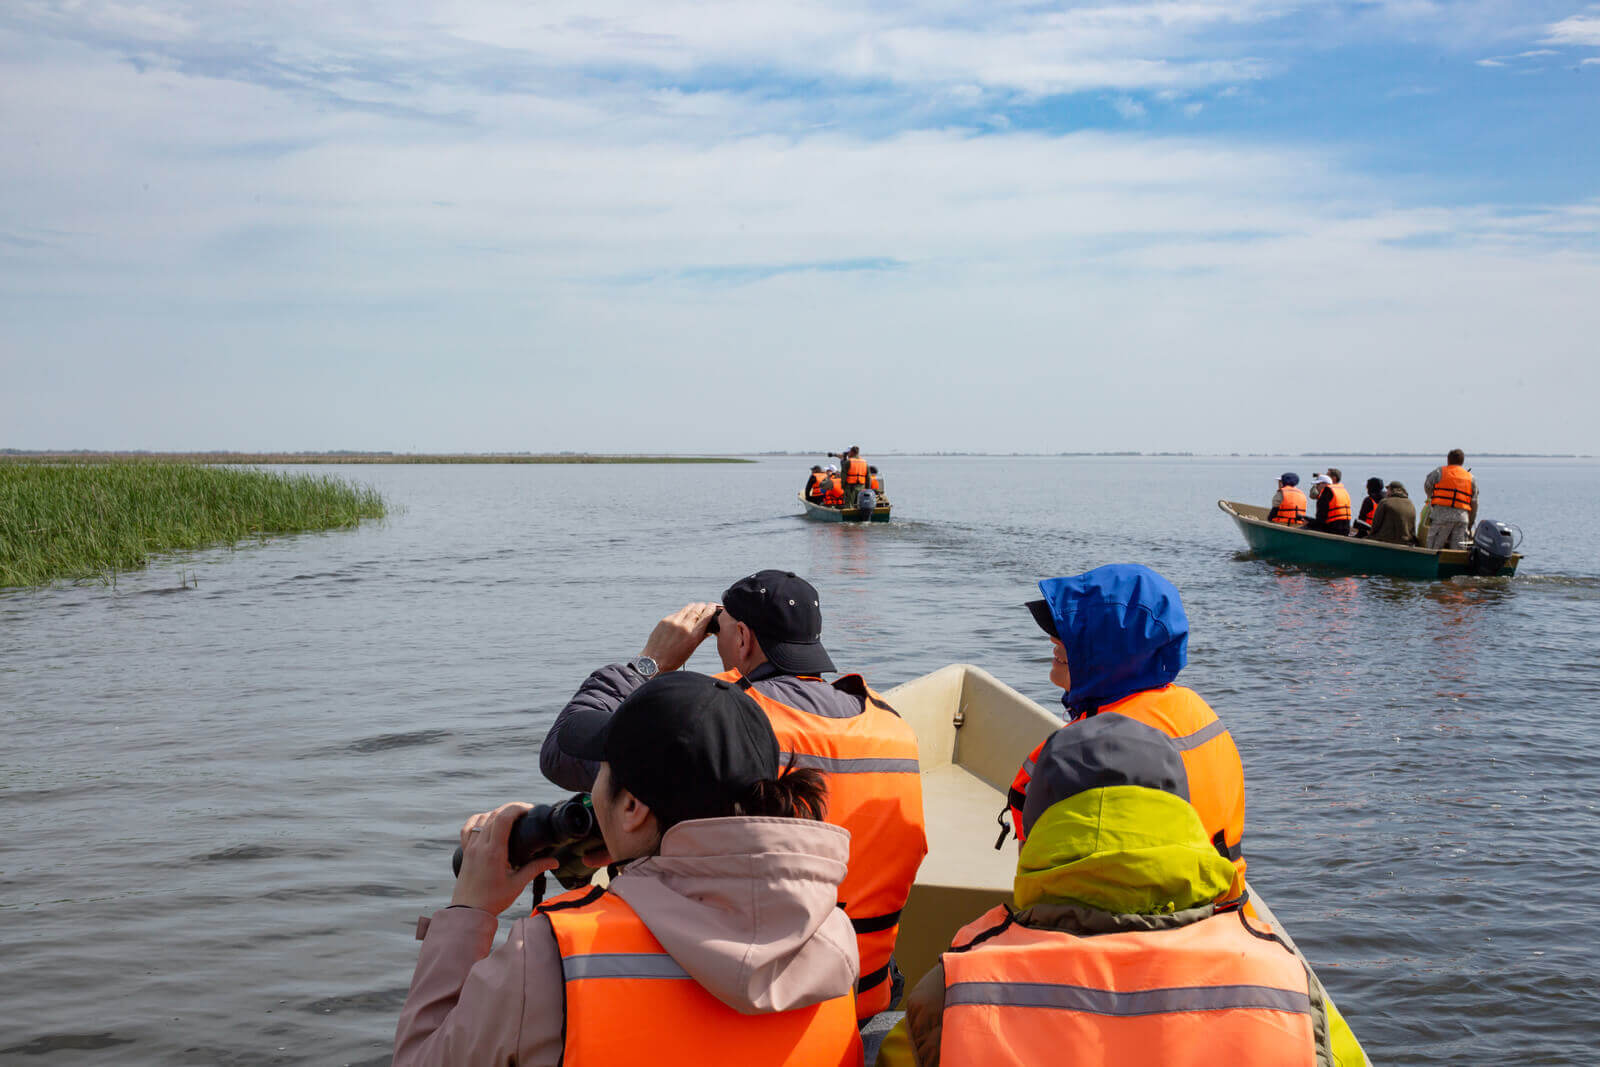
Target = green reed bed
(79,521)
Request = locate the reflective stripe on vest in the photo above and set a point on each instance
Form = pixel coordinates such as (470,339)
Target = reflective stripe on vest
(875,792)
(1291,511)
(1453,489)
(626,996)
(1339,509)
(855,471)
(1210,760)
(1133,999)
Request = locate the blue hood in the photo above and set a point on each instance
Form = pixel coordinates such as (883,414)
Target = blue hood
(1124,630)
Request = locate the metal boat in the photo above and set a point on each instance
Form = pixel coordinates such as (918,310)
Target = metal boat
(827,514)
(1356,555)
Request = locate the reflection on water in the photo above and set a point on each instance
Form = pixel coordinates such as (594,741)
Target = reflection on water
(263,777)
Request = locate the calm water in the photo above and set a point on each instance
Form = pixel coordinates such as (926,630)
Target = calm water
(222,808)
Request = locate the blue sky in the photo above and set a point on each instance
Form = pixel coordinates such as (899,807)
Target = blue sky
(1208,225)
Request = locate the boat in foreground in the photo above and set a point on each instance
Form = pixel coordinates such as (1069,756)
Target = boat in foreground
(827,514)
(1358,555)
(973,732)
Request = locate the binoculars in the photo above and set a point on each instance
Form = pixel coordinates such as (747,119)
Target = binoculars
(565,831)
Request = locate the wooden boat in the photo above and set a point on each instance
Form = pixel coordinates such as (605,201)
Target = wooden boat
(827,514)
(1357,555)
(973,732)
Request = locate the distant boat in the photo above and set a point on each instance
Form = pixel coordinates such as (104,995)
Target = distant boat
(826,514)
(973,732)
(1358,555)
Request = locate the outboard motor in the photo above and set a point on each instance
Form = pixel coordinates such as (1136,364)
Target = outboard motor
(1492,545)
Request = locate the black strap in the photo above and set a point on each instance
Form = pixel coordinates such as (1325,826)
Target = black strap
(874,923)
(743,683)
(1264,935)
(594,894)
(856,686)
(1004,819)
(867,981)
(998,928)
(1219,841)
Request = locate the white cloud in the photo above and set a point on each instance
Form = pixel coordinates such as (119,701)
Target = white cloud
(1128,108)
(1489,63)
(1578,29)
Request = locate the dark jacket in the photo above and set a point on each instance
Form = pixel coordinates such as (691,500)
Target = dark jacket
(1395,520)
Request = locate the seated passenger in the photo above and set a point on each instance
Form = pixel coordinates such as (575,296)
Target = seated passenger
(729,884)
(813,490)
(1113,949)
(1369,504)
(1333,505)
(1288,503)
(876,482)
(1395,519)
(832,489)
(1119,637)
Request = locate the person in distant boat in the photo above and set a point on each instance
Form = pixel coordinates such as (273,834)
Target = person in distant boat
(1333,505)
(768,632)
(1369,504)
(1452,493)
(1119,637)
(856,474)
(813,491)
(832,489)
(1395,519)
(1288,503)
(692,803)
(1119,944)
(875,482)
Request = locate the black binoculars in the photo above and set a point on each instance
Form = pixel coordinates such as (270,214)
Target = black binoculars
(566,831)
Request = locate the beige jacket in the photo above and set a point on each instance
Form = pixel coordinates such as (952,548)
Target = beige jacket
(746,905)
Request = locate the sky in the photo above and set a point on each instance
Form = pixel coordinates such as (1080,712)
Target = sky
(668,226)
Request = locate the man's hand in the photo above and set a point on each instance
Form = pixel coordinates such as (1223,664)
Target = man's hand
(676,637)
(487,882)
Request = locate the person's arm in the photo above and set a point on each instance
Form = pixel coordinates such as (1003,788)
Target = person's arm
(469,1004)
(1472,516)
(670,644)
(1430,481)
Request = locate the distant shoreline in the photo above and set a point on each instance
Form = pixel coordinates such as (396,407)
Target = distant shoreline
(291,458)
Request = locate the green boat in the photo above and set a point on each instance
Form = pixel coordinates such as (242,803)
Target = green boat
(827,514)
(1356,555)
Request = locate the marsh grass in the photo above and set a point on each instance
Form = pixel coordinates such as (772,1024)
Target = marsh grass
(297,458)
(88,521)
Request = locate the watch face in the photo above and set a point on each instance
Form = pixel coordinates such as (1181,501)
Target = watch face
(646,666)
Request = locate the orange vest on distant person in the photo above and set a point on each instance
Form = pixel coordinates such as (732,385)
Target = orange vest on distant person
(875,792)
(1339,510)
(1453,489)
(813,483)
(1210,761)
(1212,991)
(1292,510)
(628,1000)
(855,471)
(832,492)
(877,484)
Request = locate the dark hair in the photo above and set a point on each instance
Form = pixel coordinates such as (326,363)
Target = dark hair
(872,470)
(1374,486)
(797,793)
(1456,457)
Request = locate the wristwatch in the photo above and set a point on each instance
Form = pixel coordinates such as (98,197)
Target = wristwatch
(645,667)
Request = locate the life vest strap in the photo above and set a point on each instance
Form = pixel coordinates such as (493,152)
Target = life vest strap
(872,924)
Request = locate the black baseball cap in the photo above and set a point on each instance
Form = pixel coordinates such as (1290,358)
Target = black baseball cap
(1040,610)
(785,613)
(1101,751)
(689,746)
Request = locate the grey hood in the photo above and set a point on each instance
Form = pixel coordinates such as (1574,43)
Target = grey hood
(749,908)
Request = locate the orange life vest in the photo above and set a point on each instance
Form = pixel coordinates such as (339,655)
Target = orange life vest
(813,483)
(832,492)
(627,999)
(1369,507)
(1210,761)
(1208,992)
(1453,489)
(877,484)
(1292,510)
(855,471)
(1339,509)
(875,792)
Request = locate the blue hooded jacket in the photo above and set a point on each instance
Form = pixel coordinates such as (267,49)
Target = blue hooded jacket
(1124,630)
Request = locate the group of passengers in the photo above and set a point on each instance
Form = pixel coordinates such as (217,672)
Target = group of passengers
(763,827)
(850,483)
(1386,512)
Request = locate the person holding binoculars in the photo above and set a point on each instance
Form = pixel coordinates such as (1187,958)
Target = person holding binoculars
(718,939)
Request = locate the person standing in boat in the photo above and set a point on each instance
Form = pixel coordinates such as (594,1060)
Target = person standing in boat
(1395,520)
(768,632)
(1288,503)
(693,806)
(1118,945)
(856,476)
(1452,493)
(1333,504)
(1369,505)
(1119,637)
